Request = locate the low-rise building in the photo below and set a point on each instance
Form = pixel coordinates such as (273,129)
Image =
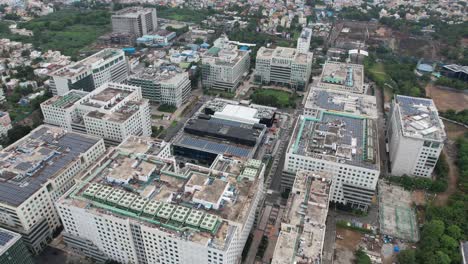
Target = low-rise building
(5,123)
(341,76)
(12,249)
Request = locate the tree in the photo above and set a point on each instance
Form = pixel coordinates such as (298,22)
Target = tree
(361,257)
(407,257)
(18,132)
(198,41)
(455,232)
(442,258)
(25,53)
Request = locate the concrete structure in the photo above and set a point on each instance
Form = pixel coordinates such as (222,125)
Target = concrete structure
(162,38)
(108,65)
(339,101)
(283,66)
(5,123)
(416,136)
(35,172)
(455,71)
(224,66)
(303,223)
(165,84)
(303,42)
(342,144)
(112,111)
(135,20)
(163,211)
(12,249)
(343,76)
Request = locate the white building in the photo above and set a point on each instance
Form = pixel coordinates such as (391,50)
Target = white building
(224,66)
(283,66)
(342,144)
(304,220)
(303,42)
(135,20)
(416,136)
(189,214)
(164,84)
(113,111)
(35,172)
(5,123)
(341,76)
(108,65)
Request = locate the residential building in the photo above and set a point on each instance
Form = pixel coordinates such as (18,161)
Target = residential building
(35,171)
(164,84)
(415,135)
(342,144)
(341,76)
(304,220)
(303,42)
(138,21)
(224,66)
(5,123)
(283,66)
(136,205)
(108,65)
(113,111)
(12,249)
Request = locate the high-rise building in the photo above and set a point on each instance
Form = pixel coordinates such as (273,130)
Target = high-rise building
(303,41)
(135,20)
(5,123)
(113,111)
(137,204)
(12,249)
(35,171)
(284,66)
(416,136)
(108,65)
(342,144)
(341,76)
(304,220)
(164,84)
(224,66)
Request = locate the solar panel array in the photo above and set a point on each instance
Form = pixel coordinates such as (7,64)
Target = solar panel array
(214,147)
(5,237)
(324,101)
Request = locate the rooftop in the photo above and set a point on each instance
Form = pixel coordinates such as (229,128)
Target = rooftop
(67,100)
(226,55)
(337,137)
(132,11)
(419,118)
(339,101)
(342,76)
(457,68)
(281,53)
(307,207)
(33,160)
(164,72)
(190,201)
(233,110)
(7,239)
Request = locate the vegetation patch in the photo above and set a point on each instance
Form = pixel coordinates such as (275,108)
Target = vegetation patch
(275,98)
(167,108)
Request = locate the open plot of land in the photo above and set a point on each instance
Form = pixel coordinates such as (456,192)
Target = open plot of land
(344,253)
(446,99)
(379,75)
(280,98)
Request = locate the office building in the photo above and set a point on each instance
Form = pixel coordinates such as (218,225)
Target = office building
(113,111)
(5,123)
(137,21)
(135,206)
(283,66)
(416,136)
(303,222)
(108,65)
(303,42)
(339,101)
(342,144)
(35,172)
(224,66)
(341,76)
(164,84)
(12,249)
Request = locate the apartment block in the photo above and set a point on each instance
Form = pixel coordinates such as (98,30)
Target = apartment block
(108,65)
(164,84)
(341,76)
(12,249)
(283,66)
(5,123)
(113,111)
(137,21)
(139,205)
(416,136)
(303,42)
(35,172)
(224,66)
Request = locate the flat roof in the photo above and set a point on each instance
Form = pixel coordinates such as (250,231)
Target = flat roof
(164,72)
(337,137)
(340,101)
(31,161)
(342,76)
(419,118)
(228,55)
(282,53)
(173,197)
(7,239)
(66,101)
(234,110)
(303,222)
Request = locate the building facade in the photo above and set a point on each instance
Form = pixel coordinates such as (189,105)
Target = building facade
(5,123)
(416,136)
(12,249)
(36,171)
(137,21)
(108,65)
(303,42)
(283,66)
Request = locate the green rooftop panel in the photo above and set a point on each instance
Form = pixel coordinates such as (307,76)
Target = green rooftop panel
(138,204)
(92,190)
(209,222)
(152,207)
(127,200)
(103,193)
(254,163)
(115,196)
(166,211)
(180,214)
(194,218)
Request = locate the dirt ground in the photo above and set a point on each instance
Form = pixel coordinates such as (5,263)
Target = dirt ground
(419,197)
(447,99)
(454,131)
(345,247)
